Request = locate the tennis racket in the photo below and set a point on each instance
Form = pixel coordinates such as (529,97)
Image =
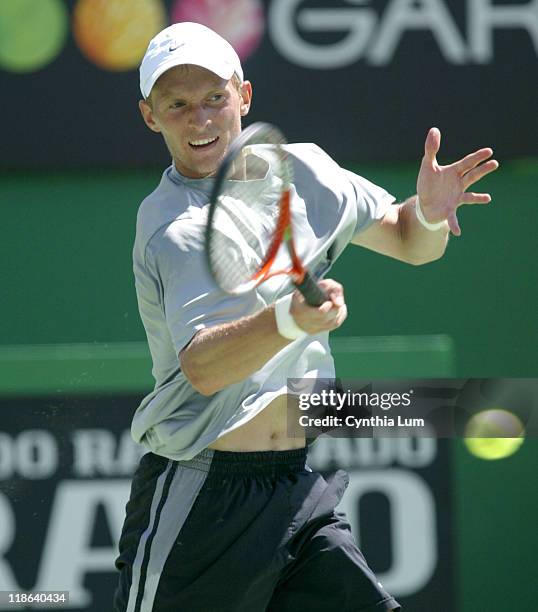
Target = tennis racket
(250,217)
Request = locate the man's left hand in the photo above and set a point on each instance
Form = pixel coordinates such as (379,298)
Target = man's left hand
(442,189)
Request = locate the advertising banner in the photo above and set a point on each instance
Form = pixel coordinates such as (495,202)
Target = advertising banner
(65,470)
(364,79)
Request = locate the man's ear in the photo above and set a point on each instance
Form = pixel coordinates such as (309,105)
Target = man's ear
(147,115)
(246,97)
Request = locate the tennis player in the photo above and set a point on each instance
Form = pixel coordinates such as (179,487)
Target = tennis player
(224,514)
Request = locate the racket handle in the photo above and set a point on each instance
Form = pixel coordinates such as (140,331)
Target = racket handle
(313,295)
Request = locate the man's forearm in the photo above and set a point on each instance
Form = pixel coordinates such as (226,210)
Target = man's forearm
(401,235)
(420,244)
(225,354)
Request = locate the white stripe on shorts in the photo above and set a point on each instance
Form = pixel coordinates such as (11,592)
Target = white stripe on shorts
(182,493)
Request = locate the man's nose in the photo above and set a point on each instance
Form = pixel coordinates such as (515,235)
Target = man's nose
(198,116)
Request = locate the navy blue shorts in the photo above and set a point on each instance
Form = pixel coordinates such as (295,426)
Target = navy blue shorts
(241,532)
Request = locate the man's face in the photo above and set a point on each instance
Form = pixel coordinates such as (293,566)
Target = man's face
(198,114)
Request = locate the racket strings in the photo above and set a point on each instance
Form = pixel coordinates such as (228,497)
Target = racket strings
(246,217)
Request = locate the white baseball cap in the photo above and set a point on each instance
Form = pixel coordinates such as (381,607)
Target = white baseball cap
(187,43)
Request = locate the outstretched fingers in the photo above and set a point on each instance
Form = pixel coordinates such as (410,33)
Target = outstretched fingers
(469,197)
(432,144)
(453,224)
(466,198)
(472,160)
(479,172)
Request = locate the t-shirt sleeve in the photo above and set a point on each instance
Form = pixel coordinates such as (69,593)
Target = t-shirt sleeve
(190,299)
(323,174)
(372,201)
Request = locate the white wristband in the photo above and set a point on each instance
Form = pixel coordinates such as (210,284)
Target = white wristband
(284,320)
(433,227)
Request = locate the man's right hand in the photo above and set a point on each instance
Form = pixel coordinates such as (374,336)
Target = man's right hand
(227,353)
(315,319)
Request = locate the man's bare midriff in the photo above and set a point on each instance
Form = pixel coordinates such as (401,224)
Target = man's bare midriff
(268,431)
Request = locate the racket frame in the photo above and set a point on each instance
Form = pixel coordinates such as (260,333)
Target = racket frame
(300,276)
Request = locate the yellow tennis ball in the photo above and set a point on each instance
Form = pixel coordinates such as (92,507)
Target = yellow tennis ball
(482,428)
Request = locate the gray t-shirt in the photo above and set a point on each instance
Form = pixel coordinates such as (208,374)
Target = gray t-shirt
(177,297)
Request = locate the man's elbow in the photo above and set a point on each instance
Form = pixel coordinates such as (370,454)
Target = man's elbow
(420,261)
(196,373)
(202,386)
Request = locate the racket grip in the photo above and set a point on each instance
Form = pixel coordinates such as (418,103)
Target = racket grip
(313,295)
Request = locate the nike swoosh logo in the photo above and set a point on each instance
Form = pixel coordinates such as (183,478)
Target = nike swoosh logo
(172,48)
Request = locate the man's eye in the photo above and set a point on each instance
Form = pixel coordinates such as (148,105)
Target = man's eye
(216,98)
(177,105)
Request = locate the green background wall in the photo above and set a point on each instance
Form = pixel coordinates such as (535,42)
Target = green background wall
(66,272)
(66,254)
